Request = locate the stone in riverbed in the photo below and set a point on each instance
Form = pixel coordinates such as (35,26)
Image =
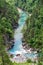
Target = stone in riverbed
(18,55)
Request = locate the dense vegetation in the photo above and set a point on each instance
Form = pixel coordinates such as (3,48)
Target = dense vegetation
(33,33)
(34,30)
(8,22)
(27,5)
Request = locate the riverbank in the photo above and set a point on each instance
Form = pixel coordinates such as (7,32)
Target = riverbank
(25,63)
(18,51)
(19,10)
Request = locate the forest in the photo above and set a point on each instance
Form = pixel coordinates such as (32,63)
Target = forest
(32,31)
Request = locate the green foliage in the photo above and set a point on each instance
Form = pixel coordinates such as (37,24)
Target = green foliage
(8,18)
(34,29)
(27,5)
(33,34)
(29,61)
(25,63)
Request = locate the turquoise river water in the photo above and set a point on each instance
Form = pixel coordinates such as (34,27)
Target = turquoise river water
(18,35)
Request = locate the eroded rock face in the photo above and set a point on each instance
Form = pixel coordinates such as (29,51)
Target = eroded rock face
(14,25)
(9,41)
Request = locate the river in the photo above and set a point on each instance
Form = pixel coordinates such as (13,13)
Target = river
(18,35)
